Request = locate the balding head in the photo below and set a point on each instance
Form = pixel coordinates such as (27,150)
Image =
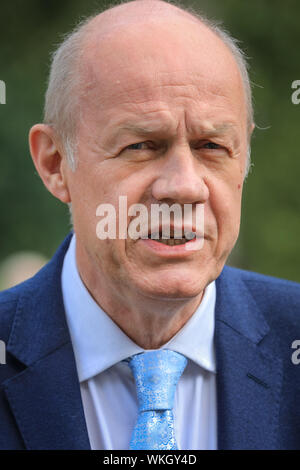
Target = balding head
(108,34)
(138,11)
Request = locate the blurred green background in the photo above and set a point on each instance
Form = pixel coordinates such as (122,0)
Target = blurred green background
(269,31)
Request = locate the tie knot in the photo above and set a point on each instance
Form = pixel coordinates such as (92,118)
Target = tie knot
(156,375)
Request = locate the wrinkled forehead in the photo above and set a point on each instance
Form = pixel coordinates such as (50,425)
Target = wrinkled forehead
(146,61)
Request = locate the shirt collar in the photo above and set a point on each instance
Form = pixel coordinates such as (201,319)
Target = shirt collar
(99,343)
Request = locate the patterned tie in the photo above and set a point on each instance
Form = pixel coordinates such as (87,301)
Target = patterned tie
(156,375)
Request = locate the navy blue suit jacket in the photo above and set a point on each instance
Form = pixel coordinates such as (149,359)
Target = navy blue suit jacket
(258,386)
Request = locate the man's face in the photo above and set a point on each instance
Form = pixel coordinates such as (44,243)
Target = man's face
(176,91)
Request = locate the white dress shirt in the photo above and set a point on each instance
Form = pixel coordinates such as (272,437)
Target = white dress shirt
(107,384)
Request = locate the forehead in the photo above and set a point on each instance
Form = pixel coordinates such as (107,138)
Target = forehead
(145,66)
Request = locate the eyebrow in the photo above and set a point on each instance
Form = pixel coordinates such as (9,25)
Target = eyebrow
(136,129)
(205,129)
(211,129)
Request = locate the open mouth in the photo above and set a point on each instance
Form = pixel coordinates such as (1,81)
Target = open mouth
(171,241)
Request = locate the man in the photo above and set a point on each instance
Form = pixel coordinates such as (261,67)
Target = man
(153,103)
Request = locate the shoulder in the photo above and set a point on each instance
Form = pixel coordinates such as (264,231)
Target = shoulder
(47,280)
(262,280)
(9,300)
(278,298)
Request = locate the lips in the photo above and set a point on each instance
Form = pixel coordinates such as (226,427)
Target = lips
(171,240)
(168,249)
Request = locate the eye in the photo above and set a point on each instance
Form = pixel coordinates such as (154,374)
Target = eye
(212,146)
(139,151)
(137,146)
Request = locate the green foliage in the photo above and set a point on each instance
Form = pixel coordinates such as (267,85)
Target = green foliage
(269,34)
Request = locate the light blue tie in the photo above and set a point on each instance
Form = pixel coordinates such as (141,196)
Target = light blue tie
(156,375)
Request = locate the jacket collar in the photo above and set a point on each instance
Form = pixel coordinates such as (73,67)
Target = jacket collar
(39,326)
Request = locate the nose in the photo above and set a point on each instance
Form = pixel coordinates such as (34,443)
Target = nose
(181,179)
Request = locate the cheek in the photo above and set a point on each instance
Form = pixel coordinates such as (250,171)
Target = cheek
(225,204)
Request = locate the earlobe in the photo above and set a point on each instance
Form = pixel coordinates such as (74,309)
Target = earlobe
(48,159)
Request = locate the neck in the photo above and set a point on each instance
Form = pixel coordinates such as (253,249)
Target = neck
(150,322)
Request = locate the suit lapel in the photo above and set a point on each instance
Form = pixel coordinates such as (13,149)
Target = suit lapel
(45,397)
(248,375)
(45,400)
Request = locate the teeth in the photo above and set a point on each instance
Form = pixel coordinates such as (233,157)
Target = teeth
(172,241)
(155,236)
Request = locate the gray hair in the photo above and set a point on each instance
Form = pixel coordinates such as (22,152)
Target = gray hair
(62,111)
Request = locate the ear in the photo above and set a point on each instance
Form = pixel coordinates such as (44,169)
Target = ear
(47,157)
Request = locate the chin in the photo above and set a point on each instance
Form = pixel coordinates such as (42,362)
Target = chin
(175,287)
